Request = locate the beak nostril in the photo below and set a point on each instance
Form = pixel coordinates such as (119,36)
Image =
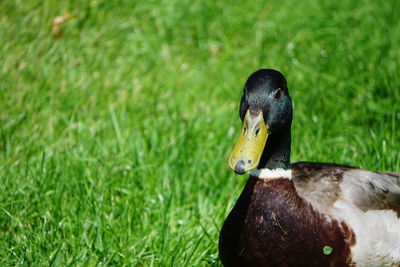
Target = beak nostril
(257,131)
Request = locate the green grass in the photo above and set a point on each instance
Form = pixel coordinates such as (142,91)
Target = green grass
(114,139)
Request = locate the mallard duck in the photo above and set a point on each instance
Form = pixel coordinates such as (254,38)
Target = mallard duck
(304,213)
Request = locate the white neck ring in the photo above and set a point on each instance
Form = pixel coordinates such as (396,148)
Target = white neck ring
(272,173)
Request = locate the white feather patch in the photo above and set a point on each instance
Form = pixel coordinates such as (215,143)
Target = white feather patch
(377,234)
(272,173)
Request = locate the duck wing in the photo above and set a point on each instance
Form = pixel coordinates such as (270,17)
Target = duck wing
(322,184)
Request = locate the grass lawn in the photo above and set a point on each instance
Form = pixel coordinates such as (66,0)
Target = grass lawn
(114,139)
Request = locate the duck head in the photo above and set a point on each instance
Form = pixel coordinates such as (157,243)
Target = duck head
(266,113)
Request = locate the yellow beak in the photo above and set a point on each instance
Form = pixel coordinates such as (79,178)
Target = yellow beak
(247,152)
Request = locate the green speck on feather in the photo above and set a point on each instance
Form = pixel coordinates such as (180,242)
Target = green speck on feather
(327,250)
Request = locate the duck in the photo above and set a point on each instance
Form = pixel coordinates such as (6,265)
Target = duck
(302,213)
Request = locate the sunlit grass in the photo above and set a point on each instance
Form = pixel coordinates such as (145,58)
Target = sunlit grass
(114,138)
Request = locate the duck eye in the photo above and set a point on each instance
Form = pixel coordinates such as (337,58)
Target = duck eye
(278,93)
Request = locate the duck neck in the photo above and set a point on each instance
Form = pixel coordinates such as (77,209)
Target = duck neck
(277,151)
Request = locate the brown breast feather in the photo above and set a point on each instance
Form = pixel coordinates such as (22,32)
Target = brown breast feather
(270,225)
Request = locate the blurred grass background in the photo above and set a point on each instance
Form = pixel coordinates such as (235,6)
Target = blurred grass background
(114,138)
